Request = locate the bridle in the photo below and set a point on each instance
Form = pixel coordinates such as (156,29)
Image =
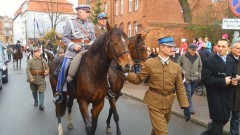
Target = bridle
(114,52)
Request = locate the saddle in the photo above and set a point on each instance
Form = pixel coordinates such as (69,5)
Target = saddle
(58,63)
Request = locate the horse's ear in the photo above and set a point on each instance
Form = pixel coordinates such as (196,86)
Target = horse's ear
(109,27)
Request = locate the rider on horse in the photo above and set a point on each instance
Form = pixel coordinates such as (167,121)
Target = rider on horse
(78,33)
(17,46)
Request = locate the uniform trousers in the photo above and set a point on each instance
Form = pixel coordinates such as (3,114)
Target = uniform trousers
(38,90)
(61,83)
(159,119)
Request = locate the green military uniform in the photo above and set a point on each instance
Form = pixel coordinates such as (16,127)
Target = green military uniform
(35,73)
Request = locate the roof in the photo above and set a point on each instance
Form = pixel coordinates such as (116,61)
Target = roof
(60,6)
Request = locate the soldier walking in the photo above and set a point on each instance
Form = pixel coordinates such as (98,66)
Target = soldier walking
(37,69)
(165,76)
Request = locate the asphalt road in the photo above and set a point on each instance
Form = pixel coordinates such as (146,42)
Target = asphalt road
(18,116)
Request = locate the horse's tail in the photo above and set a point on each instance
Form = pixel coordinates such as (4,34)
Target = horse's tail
(61,107)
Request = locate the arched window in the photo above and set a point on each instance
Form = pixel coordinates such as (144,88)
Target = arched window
(116,7)
(136,4)
(130,5)
(122,6)
(135,28)
(105,7)
(129,30)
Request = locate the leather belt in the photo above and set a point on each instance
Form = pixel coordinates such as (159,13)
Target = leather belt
(37,72)
(80,41)
(163,93)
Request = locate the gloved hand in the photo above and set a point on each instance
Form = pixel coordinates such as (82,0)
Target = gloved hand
(187,113)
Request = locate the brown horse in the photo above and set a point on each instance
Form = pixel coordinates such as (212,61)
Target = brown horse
(116,78)
(17,56)
(90,83)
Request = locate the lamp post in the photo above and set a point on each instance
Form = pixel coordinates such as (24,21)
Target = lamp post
(25,22)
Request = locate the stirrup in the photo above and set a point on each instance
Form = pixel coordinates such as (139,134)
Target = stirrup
(57,98)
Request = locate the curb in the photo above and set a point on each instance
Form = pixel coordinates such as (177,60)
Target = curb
(195,120)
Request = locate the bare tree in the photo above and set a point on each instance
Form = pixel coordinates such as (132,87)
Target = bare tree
(187,16)
(55,9)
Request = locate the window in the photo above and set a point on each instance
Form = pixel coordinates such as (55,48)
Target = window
(136,4)
(129,30)
(135,28)
(105,7)
(122,6)
(130,5)
(6,24)
(214,1)
(116,7)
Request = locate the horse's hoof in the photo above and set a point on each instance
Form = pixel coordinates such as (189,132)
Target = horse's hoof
(108,130)
(70,126)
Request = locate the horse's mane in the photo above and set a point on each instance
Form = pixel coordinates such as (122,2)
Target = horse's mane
(103,39)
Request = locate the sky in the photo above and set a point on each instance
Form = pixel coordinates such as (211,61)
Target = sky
(8,7)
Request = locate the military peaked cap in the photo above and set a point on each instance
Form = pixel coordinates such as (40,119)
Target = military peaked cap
(168,41)
(83,7)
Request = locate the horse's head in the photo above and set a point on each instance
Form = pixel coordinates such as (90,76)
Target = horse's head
(118,46)
(138,48)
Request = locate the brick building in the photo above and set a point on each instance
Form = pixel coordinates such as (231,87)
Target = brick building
(6,34)
(162,17)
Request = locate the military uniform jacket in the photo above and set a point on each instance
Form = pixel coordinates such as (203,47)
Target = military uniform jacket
(99,31)
(39,65)
(72,30)
(164,78)
(218,94)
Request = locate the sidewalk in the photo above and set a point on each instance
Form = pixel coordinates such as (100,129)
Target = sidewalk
(201,115)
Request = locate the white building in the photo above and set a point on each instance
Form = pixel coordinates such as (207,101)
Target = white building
(26,29)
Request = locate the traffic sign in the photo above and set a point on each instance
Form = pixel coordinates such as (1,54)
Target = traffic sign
(231,24)
(235,7)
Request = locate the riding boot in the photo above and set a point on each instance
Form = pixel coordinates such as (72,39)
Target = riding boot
(35,96)
(41,99)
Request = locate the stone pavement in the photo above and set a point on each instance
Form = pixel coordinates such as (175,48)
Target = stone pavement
(200,104)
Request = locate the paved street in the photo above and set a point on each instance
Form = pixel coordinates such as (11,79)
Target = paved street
(18,116)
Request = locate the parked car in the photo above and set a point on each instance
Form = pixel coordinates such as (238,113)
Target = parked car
(3,70)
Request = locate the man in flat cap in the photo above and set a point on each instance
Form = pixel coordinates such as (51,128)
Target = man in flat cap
(100,28)
(78,35)
(191,65)
(37,69)
(165,76)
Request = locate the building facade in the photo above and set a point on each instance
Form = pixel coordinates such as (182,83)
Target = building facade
(162,17)
(32,19)
(6,34)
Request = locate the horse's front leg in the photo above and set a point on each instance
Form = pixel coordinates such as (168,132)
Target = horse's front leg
(115,113)
(69,117)
(108,121)
(60,128)
(97,108)
(83,105)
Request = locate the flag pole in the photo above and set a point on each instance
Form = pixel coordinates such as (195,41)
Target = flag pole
(34,30)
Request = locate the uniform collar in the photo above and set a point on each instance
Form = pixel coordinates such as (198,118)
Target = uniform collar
(164,61)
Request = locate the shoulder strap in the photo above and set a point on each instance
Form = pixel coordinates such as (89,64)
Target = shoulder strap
(82,29)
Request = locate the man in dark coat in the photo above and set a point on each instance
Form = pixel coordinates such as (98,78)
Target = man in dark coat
(235,95)
(216,75)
